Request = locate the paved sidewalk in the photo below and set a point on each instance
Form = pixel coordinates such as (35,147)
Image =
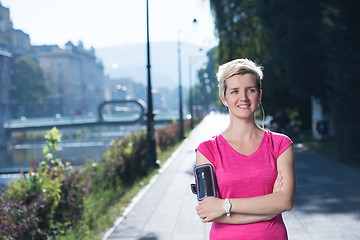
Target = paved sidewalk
(327,204)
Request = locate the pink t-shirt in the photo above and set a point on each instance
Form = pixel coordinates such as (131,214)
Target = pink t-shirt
(241,176)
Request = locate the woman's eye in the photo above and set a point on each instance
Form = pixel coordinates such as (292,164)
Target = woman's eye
(252,90)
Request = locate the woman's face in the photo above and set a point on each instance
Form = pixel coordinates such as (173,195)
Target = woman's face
(241,95)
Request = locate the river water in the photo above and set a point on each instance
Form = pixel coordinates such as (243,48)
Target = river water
(77,146)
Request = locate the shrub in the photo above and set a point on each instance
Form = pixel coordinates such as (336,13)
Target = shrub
(19,216)
(31,201)
(54,199)
(125,159)
(169,135)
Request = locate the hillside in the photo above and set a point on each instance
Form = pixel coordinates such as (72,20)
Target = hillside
(129,61)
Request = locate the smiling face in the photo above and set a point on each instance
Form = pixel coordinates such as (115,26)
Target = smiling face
(242,95)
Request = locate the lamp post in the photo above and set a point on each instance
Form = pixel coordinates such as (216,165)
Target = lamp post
(151,153)
(181,121)
(191,100)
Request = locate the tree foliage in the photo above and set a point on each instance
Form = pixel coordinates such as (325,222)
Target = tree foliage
(340,38)
(309,48)
(207,92)
(30,90)
(238,28)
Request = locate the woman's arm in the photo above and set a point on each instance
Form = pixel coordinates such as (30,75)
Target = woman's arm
(258,208)
(277,202)
(201,159)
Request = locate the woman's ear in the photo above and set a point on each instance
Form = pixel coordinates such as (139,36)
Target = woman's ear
(224,102)
(260,95)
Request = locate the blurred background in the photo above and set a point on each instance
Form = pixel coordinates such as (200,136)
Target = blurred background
(59,60)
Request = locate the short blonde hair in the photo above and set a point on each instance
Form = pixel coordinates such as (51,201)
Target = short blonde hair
(238,67)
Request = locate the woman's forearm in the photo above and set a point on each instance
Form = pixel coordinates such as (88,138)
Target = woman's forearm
(271,204)
(211,210)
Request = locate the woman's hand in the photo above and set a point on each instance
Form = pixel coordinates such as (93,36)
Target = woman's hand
(210,209)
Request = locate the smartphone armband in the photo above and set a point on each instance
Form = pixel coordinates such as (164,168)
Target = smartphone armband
(205,182)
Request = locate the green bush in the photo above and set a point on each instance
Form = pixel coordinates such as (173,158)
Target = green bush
(55,201)
(35,197)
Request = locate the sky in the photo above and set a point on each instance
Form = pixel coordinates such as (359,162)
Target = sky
(106,23)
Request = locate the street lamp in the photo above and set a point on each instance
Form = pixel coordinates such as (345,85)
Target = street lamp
(151,153)
(181,121)
(191,100)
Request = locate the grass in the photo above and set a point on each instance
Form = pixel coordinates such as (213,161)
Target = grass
(109,217)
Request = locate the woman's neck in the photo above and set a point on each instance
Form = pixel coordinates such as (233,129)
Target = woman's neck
(242,129)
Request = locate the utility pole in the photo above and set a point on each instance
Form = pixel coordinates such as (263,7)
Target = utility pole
(181,121)
(151,153)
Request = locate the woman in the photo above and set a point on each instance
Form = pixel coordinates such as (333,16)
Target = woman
(254,167)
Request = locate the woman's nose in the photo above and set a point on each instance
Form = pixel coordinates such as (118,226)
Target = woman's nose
(242,95)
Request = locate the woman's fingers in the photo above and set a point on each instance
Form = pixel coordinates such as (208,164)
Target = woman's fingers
(210,209)
(201,213)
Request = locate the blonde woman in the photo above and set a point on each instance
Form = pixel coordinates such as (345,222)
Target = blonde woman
(254,167)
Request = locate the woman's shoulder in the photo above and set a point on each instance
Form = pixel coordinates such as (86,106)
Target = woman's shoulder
(278,139)
(210,142)
(208,149)
(278,142)
(277,136)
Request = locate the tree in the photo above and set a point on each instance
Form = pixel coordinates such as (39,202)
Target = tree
(207,92)
(239,29)
(30,90)
(309,48)
(341,40)
(282,36)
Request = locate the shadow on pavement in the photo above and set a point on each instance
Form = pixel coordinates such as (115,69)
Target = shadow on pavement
(149,236)
(325,186)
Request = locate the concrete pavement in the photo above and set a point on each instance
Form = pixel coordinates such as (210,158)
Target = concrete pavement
(327,204)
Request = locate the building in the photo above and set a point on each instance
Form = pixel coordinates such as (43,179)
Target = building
(13,40)
(5,71)
(5,85)
(127,89)
(74,75)
(5,22)
(124,89)
(13,43)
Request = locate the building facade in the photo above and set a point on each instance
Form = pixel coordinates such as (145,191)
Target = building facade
(5,85)
(5,67)
(127,89)
(13,43)
(13,40)
(75,77)
(73,73)
(124,89)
